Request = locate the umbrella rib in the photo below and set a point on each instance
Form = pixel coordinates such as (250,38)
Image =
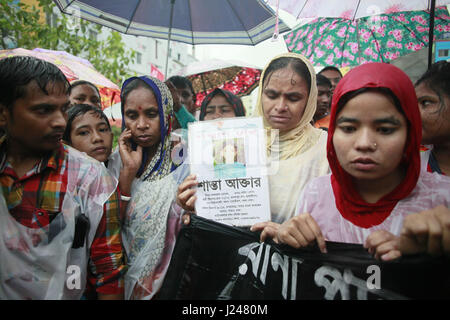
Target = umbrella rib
(408,29)
(132,16)
(357,41)
(320,39)
(345,39)
(356,10)
(69,4)
(239,18)
(303,7)
(378,45)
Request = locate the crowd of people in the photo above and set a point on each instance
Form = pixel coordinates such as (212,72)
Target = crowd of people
(362,158)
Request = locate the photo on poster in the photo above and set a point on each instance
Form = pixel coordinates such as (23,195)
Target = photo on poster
(229,158)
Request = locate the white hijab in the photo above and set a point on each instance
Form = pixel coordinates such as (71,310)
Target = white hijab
(304,135)
(301,151)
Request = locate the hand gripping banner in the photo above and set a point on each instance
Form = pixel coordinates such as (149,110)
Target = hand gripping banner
(217,262)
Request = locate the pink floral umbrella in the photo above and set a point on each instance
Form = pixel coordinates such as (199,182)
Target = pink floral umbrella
(74,68)
(235,76)
(348,42)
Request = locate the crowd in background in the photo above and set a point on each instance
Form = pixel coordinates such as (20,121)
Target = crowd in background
(363,158)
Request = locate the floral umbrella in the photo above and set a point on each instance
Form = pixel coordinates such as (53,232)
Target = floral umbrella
(235,76)
(344,42)
(74,68)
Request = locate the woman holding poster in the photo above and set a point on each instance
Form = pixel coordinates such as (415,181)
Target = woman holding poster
(148,181)
(287,102)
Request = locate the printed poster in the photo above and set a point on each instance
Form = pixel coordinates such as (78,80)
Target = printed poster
(229,158)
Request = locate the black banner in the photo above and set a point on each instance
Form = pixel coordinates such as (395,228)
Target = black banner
(215,261)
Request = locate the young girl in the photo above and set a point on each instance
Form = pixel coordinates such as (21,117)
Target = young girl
(150,179)
(373,151)
(88,130)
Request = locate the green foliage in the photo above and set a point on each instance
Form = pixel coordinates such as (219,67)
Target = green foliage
(22,23)
(116,132)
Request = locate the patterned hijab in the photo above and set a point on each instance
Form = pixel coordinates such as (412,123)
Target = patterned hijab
(234,100)
(348,201)
(161,164)
(304,135)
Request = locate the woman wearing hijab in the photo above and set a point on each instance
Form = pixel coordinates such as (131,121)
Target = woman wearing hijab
(148,179)
(373,151)
(287,100)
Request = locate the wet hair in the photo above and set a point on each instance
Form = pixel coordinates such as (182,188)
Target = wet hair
(82,82)
(233,100)
(323,81)
(182,82)
(79,110)
(386,91)
(17,72)
(331,68)
(296,64)
(437,78)
(133,85)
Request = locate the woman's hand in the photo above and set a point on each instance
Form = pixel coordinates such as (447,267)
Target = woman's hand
(186,196)
(426,231)
(131,159)
(383,245)
(301,231)
(268,230)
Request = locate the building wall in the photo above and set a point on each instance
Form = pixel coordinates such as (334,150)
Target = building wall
(154,51)
(442,50)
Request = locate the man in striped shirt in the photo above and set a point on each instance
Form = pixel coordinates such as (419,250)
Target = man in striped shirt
(59,210)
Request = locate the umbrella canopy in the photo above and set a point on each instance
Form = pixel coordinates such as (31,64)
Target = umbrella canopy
(190,21)
(238,77)
(74,68)
(345,42)
(350,9)
(193,21)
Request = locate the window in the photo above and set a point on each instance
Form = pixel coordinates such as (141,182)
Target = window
(156,49)
(138,58)
(443,52)
(178,57)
